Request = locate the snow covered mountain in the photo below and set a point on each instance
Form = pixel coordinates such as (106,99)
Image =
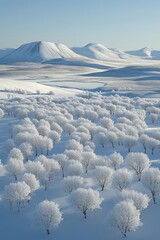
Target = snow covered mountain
(100,52)
(38,52)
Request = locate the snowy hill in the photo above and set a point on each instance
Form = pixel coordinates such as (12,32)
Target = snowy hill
(143,52)
(100,52)
(39,52)
(147,53)
(13,87)
(4,52)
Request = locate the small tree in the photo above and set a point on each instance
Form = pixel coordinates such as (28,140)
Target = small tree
(121,179)
(15,167)
(26,149)
(137,162)
(31,181)
(17,192)
(71,183)
(87,157)
(48,215)
(103,175)
(16,153)
(126,217)
(62,160)
(115,160)
(75,168)
(139,199)
(151,181)
(86,200)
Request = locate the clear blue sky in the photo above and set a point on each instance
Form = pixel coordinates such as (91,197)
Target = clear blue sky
(125,24)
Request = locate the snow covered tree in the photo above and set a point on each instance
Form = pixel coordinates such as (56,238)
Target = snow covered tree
(129,141)
(103,175)
(86,200)
(126,217)
(26,149)
(87,157)
(31,181)
(71,183)
(112,138)
(52,168)
(62,160)
(74,168)
(69,128)
(121,179)
(16,153)
(48,215)
(47,144)
(106,122)
(55,136)
(18,193)
(144,141)
(15,167)
(35,168)
(151,181)
(139,199)
(137,162)
(115,160)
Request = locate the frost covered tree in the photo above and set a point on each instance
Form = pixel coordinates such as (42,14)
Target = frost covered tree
(115,160)
(86,200)
(47,144)
(16,154)
(129,141)
(15,167)
(144,141)
(126,217)
(35,168)
(17,193)
(103,175)
(69,128)
(62,160)
(151,181)
(74,168)
(48,215)
(26,149)
(137,162)
(74,145)
(87,157)
(139,199)
(31,181)
(152,144)
(52,168)
(71,183)
(55,136)
(106,122)
(121,179)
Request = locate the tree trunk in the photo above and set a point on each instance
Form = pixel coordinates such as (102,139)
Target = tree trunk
(85,214)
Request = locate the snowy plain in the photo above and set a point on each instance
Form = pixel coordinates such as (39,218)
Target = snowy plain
(129,84)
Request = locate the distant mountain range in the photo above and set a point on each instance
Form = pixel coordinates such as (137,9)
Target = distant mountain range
(49,52)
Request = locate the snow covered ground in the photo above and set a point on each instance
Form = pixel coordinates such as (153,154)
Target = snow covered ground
(55,91)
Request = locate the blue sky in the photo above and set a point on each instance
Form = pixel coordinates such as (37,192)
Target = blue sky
(125,24)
